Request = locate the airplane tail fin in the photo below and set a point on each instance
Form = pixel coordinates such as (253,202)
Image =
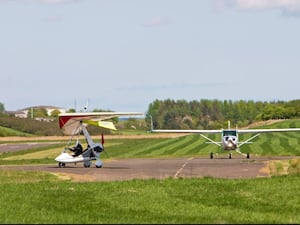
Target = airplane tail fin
(229,125)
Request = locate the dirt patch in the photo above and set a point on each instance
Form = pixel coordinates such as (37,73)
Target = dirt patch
(262,123)
(14,147)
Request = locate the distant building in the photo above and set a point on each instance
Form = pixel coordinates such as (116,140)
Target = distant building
(23,113)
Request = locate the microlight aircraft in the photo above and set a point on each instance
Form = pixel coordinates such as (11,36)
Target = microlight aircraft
(75,124)
(229,137)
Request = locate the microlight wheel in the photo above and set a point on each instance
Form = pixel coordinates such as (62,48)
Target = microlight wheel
(87,164)
(61,165)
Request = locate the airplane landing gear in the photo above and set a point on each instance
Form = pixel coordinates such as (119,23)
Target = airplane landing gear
(61,165)
(248,155)
(211,155)
(230,155)
(87,164)
(98,164)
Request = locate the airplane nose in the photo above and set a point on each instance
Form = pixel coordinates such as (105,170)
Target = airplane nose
(231,139)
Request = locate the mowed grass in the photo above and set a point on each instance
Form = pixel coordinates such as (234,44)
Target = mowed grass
(266,144)
(5,131)
(41,197)
(37,197)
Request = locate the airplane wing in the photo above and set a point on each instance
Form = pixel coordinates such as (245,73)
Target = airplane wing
(220,131)
(68,122)
(269,130)
(189,131)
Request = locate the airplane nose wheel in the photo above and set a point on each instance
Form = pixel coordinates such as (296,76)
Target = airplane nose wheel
(87,164)
(98,164)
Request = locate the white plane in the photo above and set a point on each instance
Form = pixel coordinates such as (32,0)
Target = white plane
(75,124)
(229,137)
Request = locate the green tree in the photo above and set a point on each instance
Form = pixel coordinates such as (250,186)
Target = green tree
(37,112)
(2,108)
(212,114)
(55,113)
(71,110)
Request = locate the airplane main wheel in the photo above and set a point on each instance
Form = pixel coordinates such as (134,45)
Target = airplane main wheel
(211,155)
(230,156)
(87,164)
(60,164)
(248,155)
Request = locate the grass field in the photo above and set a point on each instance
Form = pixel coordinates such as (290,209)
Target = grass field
(4,131)
(40,197)
(190,145)
(36,197)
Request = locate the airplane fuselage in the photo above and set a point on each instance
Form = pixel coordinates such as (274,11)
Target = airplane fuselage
(229,140)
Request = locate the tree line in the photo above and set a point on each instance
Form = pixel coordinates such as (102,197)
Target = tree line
(39,123)
(174,114)
(213,114)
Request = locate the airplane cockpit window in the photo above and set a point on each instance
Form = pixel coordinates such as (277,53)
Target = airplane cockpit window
(229,133)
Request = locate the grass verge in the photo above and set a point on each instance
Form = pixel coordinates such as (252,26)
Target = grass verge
(43,198)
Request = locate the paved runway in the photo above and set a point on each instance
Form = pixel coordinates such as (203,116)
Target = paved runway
(127,169)
(159,168)
(14,147)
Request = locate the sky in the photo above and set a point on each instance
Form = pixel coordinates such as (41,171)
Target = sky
(122,55)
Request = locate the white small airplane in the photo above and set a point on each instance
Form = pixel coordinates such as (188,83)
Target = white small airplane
(229,137)
(75,124)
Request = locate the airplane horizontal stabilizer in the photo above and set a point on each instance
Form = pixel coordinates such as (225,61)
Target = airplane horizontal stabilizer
(188,131)
(103,124)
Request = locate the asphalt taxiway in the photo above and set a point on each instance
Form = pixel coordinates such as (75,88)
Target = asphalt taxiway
(147,168)
(159,168)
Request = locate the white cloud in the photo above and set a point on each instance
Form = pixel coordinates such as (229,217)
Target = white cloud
(52,19)
(287,7)
(41,1)
(56,1)
(156,21)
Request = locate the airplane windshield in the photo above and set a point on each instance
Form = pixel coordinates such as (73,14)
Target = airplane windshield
(229,133)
